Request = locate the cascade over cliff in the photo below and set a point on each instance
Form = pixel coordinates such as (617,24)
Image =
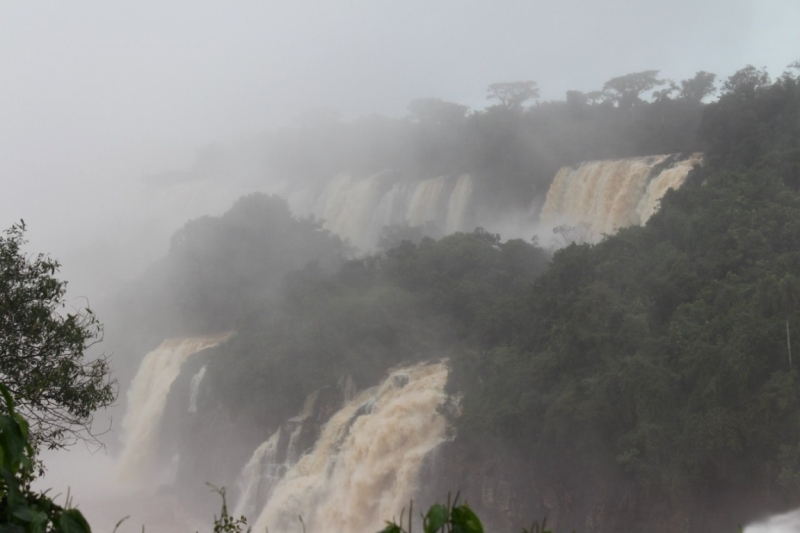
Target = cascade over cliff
(358,208)
(609,195)
(147,398)
(356,460)
(365,465)
(605,195)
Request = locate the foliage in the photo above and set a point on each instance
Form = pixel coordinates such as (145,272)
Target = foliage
(376,312)
(42,347)
(624,90)
(220,268)
(657,358)
(699,87)
(225,523)
(452,518)
(432,111)
(514,94)
(660,355)
(755,121)
(511,149)
(22,510)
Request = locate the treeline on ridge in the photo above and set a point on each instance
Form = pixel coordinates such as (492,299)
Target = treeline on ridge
(649,372)
(512,148)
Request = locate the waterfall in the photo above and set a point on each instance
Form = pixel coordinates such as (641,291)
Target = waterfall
(147,398)
(670,178)
(359,208)
(259,475)
(194,389)
(364,466)
(348,207)
(267,464)
(425,201)
(609,195)
(458,204)
(784,523)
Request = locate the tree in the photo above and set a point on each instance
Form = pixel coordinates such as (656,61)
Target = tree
(625,90)
(42,348)
(513,94)
(432,111)
(664,94)
(745,82)
(697,88)
(21,509)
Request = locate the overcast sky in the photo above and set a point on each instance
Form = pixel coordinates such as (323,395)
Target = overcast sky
(95,94)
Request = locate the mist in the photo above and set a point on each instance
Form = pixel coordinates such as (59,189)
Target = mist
(339,269)
(96,97)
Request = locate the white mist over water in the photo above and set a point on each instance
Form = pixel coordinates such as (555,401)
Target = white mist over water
(259,475)
(458,204)
(606,195)
(365,465)
(609,195)
(194,389)
(359,208)
(147,398)
(263,471)
(104,497)
(783,523)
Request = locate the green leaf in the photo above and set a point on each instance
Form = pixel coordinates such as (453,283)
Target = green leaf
(72,521)
(7,397)
(24,513)
(391,527)
(11,528)
(39,523)
(435,519)
(466,521)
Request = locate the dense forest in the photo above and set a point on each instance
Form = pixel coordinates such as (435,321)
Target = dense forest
(642,382)
(512,148)
(650,373)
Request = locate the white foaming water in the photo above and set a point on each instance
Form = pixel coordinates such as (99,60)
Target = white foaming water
(671,178)
(259,475)
(263,471)
(609,195)
(194,389)
(365,464)
(458,204)
(348,207)
(784,523)
(359,208)
(425,201)
(147,398)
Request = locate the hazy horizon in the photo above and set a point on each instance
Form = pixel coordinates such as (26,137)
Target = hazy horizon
(97,96)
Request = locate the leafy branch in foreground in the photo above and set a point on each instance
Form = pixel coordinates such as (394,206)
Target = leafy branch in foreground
(450,518)
(22,510)
(225,523)
(43,346)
